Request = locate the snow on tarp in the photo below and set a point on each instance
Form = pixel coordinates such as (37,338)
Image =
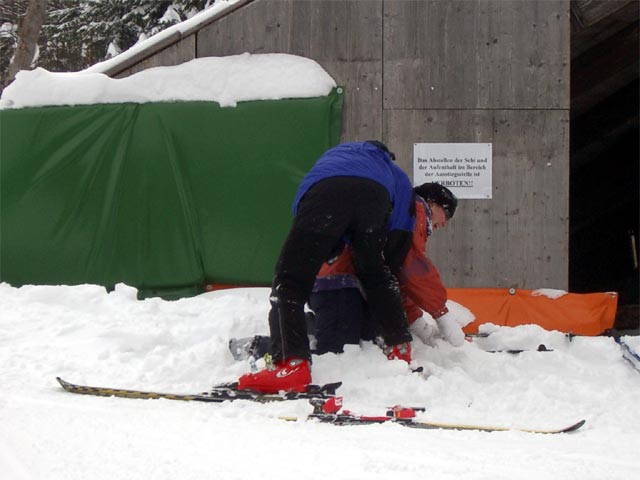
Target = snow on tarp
(225,80)
(549,293)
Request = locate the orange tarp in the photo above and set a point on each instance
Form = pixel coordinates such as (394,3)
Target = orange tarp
(579,313)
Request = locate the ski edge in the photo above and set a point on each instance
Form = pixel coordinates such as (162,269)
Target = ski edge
(342,420)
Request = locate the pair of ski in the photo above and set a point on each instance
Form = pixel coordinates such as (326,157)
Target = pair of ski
(326,406)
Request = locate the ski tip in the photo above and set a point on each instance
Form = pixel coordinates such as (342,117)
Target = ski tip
(224,386)
(327,388)
(64,384)
(570,428)
(288,418)
(332,386)
(575,426)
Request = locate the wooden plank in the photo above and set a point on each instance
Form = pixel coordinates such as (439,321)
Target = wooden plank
(604,69)
(585,38)
(520,237)
(175,54)
(344,37)
(260,27)
(590,12)
(476,54)
(362,111)
(604,128)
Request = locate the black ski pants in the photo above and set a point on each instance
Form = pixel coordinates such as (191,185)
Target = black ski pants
(333,208)
(341,318)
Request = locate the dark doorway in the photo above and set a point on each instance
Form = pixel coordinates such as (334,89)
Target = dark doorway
(605,152)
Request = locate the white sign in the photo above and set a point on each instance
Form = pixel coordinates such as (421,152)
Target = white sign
(464,168)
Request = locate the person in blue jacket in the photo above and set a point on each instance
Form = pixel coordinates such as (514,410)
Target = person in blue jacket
(354,193)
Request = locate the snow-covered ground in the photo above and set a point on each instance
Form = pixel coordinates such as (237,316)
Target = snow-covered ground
(88,336)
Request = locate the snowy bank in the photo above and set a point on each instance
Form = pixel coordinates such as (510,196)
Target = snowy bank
(225,80)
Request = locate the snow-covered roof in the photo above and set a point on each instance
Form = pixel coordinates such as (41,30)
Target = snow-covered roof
(225,80)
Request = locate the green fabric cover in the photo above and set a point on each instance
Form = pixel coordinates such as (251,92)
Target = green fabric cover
(166,197)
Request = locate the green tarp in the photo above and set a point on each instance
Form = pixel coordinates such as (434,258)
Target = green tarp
(166,197)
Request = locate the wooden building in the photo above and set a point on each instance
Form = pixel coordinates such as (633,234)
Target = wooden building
(423,71)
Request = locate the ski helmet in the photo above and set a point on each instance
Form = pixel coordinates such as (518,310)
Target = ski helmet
(436,193)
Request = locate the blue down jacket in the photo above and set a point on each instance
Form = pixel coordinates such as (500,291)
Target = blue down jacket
(364,160)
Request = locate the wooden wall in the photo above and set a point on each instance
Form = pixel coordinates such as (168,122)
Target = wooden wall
(414,71)
(494,72)
(345,37)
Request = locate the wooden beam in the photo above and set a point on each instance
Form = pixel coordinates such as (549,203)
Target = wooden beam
(603,127)
(604,69)
(590,12)
(166,42)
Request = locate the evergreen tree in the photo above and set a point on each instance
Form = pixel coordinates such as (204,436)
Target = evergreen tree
(10,13)
(80,33)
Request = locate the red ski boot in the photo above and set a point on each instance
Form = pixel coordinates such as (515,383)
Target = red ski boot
(399,352)
(292,375)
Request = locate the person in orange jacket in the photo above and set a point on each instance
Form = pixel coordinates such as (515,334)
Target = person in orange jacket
(339,303)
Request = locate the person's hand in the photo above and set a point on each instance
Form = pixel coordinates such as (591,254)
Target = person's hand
(450,329)
(424,330)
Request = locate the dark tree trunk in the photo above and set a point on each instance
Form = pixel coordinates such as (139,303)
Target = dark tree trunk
(28,33)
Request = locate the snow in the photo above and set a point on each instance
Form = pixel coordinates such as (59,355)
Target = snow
(225,80)
(462,314)
(551,293)
(89,336)
(633,342)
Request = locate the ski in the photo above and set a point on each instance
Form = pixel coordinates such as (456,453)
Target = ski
(470,337)
(541,348)
(327,411)
(219,393)
(349,419)
(629,354)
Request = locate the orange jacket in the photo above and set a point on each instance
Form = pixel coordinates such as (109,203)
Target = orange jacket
(419,279)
